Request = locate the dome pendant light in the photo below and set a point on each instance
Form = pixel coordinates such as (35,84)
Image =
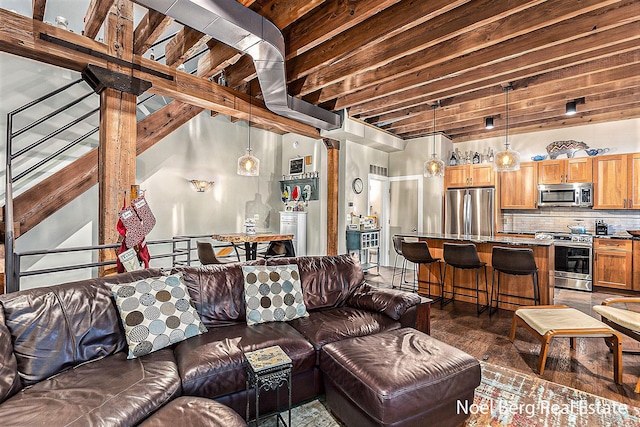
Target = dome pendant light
(434,166)
(248,165)
(507,160)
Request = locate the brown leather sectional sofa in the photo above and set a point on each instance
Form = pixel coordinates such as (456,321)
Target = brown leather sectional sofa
(63,358)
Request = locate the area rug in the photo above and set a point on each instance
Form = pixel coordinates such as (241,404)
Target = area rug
(509,398)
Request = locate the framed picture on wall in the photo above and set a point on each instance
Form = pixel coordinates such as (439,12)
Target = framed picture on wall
(296,166)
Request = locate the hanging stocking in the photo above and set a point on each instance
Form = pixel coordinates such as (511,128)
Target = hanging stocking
(144,213)
(133,225)
(119,264)
(143,253)
(122,230)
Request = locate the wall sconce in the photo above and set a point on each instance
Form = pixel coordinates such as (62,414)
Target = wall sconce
(201,185)
(488,122)
(572,106)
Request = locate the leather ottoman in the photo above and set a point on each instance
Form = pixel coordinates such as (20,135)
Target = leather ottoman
(194,411)
(401,377)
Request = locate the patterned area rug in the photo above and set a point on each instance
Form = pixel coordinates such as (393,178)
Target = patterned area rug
(508,398)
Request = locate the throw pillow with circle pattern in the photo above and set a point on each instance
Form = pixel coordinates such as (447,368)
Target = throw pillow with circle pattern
(155,313)
(273,293)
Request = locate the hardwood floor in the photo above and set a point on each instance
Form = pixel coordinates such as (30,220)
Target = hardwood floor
(588,368)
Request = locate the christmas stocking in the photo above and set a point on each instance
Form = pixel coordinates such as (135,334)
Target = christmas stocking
(144,213)
(143,254)
(133,225)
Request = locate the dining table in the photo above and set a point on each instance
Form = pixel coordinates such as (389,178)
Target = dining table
(251,241)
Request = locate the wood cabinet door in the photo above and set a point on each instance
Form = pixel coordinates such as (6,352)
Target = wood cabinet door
(633,181)
(610,182)
(456,176)
(519,190)
(579,170)
(612,269)
(551,171)
(482,175)
(636,265)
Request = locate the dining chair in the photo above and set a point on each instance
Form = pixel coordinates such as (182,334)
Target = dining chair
(207,255)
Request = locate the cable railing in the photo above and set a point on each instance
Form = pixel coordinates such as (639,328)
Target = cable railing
(180,254)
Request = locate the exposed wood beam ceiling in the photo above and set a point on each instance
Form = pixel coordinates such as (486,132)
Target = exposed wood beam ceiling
(387,61)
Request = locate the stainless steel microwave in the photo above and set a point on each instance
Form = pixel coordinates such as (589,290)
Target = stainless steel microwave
(578,194)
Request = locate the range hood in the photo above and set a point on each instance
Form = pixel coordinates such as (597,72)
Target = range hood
(243,29)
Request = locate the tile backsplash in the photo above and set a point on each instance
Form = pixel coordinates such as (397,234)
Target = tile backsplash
(558,218)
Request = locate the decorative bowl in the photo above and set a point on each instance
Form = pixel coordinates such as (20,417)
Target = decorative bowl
(595,151)
(538,158)
(634,233)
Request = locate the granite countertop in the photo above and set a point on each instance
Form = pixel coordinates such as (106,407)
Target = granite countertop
(523,241)
(624,236)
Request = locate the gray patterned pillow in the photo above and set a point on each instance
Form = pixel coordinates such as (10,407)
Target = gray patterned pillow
(273,293)
(155,313)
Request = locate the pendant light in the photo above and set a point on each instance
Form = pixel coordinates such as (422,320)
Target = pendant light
(507,160)
(248,165)
(434,166)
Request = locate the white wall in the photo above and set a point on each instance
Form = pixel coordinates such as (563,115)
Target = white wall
(621,137)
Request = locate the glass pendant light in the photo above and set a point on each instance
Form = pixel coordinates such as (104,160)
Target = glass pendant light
(434,166)
(507,160)
(248,165)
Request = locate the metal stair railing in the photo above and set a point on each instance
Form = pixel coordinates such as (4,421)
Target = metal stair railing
(12,275)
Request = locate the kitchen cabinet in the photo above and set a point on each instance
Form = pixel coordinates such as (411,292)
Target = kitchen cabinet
(518,190)
(478,175)
(636,265)
(565,171)
(612,263)
(616,181)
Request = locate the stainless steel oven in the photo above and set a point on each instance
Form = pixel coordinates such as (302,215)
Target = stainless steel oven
(573,261)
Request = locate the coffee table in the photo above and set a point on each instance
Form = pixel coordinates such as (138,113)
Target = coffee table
(546,322)
(269,369)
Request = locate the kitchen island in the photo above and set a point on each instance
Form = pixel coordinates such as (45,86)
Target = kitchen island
(519,286)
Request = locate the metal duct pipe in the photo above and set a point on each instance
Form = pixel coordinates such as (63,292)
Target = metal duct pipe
(241,28)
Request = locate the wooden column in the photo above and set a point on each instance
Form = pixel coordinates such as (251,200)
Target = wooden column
(117,150)
(333,162)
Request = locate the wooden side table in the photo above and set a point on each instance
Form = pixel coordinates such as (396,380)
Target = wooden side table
(269,369)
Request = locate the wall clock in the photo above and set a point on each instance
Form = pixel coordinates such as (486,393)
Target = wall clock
(357,186)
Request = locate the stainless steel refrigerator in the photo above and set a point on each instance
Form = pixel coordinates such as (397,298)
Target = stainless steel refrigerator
(469,211)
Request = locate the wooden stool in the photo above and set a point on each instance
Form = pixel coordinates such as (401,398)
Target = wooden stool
(546,322)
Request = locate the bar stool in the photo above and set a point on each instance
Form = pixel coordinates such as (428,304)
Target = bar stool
(516,262)
(465,257)
(397,246)
(418,253)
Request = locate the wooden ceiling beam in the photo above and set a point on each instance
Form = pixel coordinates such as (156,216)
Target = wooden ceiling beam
(592,67)
(329,20)
(538,40)
(20,36)
(487,20)
(553,92)
(400,17)
(618,40)
(184,45)
(95,16)
(38,7)
(217,58)
(608,115)
(152,25)
(533,33)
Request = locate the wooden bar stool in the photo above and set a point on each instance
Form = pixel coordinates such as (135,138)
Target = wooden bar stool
(418,253)
(465,257)
(515,262)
